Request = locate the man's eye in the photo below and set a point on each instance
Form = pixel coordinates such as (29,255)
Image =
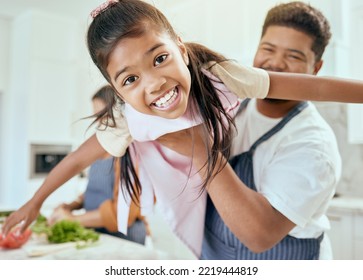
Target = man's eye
(160,59)
(295,57)
(130,80)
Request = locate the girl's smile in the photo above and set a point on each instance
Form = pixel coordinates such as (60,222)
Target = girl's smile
(150,73)
(168,101)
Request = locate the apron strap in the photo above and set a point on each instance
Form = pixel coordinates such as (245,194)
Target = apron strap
(297,110)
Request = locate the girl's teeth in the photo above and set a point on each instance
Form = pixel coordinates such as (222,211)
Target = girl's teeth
(167,99)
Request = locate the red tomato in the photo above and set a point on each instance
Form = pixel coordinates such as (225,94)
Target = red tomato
(1,239)
(14,240)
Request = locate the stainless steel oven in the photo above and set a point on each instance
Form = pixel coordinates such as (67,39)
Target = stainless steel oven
(43,158)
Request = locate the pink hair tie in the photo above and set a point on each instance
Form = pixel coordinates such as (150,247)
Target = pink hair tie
(103,7)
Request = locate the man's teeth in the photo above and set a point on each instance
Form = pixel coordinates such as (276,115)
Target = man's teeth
(167,99)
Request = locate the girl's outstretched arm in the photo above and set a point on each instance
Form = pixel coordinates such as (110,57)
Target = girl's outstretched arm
(309,87)
(256,83)
(71,165)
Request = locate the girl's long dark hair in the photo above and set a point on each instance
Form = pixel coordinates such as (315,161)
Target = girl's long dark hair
(217,122)
(132,18)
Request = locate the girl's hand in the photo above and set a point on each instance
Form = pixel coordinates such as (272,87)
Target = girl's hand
(22,217)
(14,239)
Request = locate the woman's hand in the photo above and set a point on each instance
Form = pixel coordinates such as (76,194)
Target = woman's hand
(60,213)
(23,217)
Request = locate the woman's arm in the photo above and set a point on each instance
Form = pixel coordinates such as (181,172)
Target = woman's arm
(71,165)
(91,219)
(75,204)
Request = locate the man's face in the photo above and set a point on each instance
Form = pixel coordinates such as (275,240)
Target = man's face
(284,49)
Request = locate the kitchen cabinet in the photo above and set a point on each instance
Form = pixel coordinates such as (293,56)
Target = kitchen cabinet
(355,123)
(346,233)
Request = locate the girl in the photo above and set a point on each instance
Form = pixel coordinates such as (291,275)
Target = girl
(168,86)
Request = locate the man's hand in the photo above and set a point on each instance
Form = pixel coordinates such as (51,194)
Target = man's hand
(189,142)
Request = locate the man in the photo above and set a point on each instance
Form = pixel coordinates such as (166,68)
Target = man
(284,152)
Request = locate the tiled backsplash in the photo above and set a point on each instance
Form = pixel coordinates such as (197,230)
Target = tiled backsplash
(351,182)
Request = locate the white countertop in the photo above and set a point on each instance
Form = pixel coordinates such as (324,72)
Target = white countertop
(107,248)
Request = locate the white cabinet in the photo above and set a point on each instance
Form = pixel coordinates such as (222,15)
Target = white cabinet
(355,123)
(49,81)
(346,233)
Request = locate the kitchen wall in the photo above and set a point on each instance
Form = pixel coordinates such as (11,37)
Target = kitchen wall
(231,27)
(4,69)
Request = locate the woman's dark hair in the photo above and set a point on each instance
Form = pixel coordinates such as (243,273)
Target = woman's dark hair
(133,18)
(109,97)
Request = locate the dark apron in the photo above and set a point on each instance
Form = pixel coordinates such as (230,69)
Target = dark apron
(220,243)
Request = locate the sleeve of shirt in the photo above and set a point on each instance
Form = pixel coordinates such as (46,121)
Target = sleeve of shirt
(300,183)
(245,82)
(115,140)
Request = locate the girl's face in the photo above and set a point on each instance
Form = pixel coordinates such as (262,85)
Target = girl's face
(150,73)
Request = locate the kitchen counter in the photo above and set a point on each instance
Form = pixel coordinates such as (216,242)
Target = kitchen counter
(106,248)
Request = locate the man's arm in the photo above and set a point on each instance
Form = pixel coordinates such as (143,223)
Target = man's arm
(247,213)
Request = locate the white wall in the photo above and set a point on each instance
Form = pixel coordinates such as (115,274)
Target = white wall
(4,77)
(49,84)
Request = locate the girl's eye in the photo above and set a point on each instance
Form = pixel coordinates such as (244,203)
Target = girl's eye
(130,80)
(160,59)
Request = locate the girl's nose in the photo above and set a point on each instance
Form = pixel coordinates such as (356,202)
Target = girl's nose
(154,83)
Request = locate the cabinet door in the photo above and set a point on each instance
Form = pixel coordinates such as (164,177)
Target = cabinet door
(53,94)
(341,235)
(355,123)
(358,237)
(358,250)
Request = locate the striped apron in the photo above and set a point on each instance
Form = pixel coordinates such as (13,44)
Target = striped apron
(220,243)
(100,188)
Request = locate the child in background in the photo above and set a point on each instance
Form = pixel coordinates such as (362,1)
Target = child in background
(168,86)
